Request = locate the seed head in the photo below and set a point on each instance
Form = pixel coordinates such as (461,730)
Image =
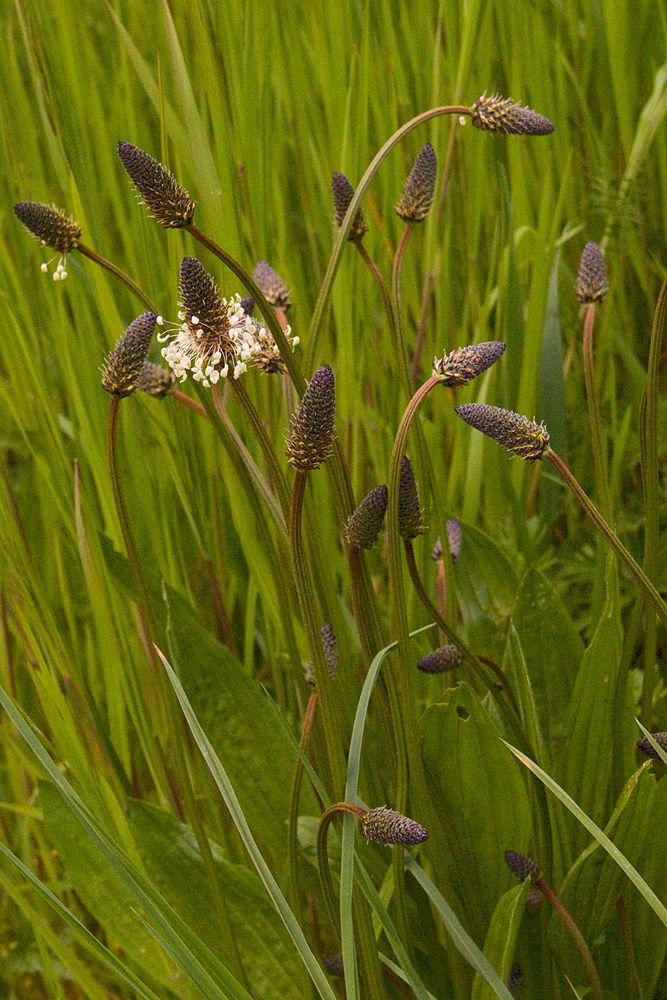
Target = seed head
(363,526)
(440,660)
(592,279)
(454,536)
(330,648)
(524,437)
(343,193)
(388,827)
(522,866)
(334,965)
(466,363)
(247,304)
(50,225)
(310,442)
(271,285)
(155,380)
(172,205)
(123,371)
(418,192)
(502,114)
(646,748)
(410,520)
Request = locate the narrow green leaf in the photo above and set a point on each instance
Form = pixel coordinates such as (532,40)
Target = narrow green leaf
(501,937)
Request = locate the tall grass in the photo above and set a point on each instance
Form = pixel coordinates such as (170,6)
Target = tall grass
(160,822)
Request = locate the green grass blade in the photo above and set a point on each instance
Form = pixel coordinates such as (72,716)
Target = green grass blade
(620,859)
(220,777)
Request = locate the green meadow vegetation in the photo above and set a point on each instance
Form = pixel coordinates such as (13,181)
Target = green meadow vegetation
(245,609)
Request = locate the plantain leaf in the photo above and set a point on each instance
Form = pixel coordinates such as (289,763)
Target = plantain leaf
(479,792)
(173,863)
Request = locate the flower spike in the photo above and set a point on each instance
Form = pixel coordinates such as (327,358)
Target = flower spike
(592,278)
(441,660)
(502,114)
(521,866)
(518,434)
(172,205)
(410,520)
(310,442)
(272,285)
(646,748)
(363,525)
(123,370)
(155,380)
(388,827)
(419,188)
(466,363)
(50,225)
(343,193)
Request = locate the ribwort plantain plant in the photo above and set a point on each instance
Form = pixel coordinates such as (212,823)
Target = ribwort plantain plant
(254,665)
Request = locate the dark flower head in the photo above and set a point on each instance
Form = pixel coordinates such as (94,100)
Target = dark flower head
(271,285)
(502,114)
(455,538)
(310,442)
(522,866)
(646,748)
(343,193)
(388,827)
(363,525)
(123,370)
(440,660)
(50,225)
(172,205)
(267,357)
(247,304)
(330,649)
(466,363)
(334,965)
(515,981)
(592,279)
(419,188)
(155,380)
(518,434)
(217,337)
(410,520)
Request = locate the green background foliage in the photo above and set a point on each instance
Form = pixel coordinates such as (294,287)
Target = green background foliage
(253,105)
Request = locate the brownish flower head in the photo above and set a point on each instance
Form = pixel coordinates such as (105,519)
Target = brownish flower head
(466,363)
(247,304)
(389,827)
(518,434)
(50,225)
(172,205)
(455,536)
(343,193)
(515,981)
(645,747)
(440,660)
(418,192)
(155,380)
(522,866)
(502,114)
(363,526)
(410,520)
(310,442)
(592,279)
(271,285)
(124,367)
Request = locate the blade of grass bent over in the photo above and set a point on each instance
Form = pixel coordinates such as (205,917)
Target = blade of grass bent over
(620,859)
(222,781)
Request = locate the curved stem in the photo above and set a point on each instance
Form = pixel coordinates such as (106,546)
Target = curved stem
(326,881)
(343,232)
(577,937)
(609,535)
(117,273)
(191,403)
